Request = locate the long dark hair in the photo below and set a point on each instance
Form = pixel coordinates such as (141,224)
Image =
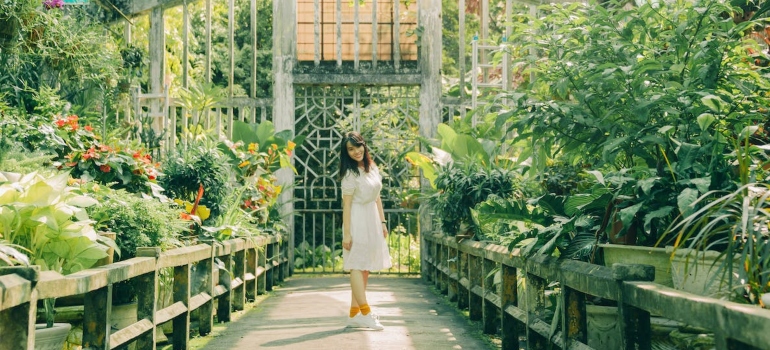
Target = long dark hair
(349,164)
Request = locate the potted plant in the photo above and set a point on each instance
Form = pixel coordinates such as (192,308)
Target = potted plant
(723,242)
(47,219)
(132,61)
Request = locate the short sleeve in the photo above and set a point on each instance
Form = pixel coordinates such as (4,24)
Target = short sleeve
(348,184)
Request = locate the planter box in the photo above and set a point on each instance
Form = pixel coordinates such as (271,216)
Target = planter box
(701,273)
(631,254)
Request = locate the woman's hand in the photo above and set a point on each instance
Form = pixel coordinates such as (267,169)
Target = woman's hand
(347,242)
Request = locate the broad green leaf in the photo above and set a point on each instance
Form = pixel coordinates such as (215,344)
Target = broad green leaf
(685,199)
(714,103)
(705,120)
(627,214)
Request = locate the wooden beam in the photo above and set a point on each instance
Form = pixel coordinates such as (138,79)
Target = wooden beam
(355,79)
(140,7)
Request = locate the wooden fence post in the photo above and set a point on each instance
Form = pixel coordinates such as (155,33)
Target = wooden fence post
(147,298)
(239,271)
(510,328)
(574,325)
(535,294)
(97,308)
(285,259)
(252,267)
(270,258)
(262,268)
(462,292)
(452,262)
(634,322)
(181,291)
(224,302)
(475,302)
(206,311)
(440,264)
(489,310)
(279,258)
(17,324)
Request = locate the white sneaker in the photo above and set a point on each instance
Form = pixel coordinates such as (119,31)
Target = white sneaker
(354,322)
(371,321)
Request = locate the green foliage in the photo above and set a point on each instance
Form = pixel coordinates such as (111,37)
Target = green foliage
(460,187)
(627,87)
(50,48)
(734,221)
(187,169)
(138,221)
(47,218)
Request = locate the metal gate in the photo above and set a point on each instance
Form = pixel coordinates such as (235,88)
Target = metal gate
(388,119)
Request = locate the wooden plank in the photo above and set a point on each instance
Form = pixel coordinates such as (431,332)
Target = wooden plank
(130,333)
(199,300)
(14,291)
(54,285)
(169,312)
(184,256)
(219,290)
(181,324)
(703,312)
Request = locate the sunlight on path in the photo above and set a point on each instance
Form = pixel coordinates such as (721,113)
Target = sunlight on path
(310,313)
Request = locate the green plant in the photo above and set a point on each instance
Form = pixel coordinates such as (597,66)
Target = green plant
(203,164)
(47,218)
(138,221)
(255,153)
(460,187)
(733,222)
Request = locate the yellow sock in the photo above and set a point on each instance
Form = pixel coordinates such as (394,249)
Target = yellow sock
(353,311)
(365,310)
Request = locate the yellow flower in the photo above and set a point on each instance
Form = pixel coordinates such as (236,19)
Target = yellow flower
(244,163)
(253,147)
(290,146)
(274,146)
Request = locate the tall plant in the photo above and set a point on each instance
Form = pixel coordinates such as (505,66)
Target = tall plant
(621,88)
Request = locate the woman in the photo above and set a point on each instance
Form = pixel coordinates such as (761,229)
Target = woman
(363,225)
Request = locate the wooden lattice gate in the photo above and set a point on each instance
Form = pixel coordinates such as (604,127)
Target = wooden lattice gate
(388,119)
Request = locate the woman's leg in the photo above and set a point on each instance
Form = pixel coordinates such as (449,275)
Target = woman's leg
(357,288)
(365,276)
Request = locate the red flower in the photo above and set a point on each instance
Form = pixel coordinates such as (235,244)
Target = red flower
(105,168)
(88,128)
(61,122)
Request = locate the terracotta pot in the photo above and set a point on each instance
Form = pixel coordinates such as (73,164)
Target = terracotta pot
(628,238)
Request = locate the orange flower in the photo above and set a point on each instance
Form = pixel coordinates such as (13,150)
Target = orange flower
(105,168)
(88,128)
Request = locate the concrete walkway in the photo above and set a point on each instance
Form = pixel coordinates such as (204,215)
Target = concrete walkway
(309,313)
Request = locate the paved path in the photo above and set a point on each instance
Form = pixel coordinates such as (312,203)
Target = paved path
(309,313)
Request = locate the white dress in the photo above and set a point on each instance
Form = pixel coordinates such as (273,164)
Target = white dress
(369,251)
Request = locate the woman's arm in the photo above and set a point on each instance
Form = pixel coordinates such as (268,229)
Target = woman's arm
(347,239)
(382,216)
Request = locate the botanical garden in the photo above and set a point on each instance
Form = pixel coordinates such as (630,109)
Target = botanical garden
(580,175)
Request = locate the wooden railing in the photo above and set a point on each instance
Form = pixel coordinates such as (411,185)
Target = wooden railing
(465,273)
(252,266)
